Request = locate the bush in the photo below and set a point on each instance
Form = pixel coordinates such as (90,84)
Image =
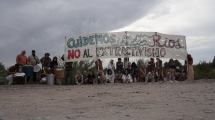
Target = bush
(204,70)
(2,69)
(2,73)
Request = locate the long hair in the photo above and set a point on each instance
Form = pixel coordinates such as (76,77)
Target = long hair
(189,59)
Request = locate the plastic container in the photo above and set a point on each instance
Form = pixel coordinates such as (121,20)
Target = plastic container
(50,79)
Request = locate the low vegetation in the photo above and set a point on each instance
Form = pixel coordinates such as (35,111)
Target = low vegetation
(205,70)
(2,73)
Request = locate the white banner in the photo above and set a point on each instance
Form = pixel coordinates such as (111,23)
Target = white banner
(125,44)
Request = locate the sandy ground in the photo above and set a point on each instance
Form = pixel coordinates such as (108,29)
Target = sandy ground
(137,101)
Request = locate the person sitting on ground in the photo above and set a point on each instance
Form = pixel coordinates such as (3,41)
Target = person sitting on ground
(179,76)
(91,77)
(10,74)
(126,77)
(79,78)
(85,79)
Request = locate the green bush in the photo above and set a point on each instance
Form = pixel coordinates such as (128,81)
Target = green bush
(204,70)
(2,73)
(2,69)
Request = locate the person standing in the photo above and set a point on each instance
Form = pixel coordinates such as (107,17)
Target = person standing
(127,64)
(141,71)
(119,66)
(46,62)
(54,64)
(34,61)
(150,73)
(69,76)
(159,69)
(171,71)
(190,71)
(110,72)
(134,71)
(100,73)
(21,60)
(119,70)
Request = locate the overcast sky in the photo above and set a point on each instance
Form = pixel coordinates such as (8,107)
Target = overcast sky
(42,24)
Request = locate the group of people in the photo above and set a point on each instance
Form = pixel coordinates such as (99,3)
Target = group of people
(122,72)
(126,72)
(30,68)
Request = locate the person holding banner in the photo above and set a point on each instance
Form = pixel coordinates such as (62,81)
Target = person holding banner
(190,72)
(100,73)
(141,71)
(134,71)
(150,73)
(171,71)
(110,72)
(159,69)
(127,64)
(119,70)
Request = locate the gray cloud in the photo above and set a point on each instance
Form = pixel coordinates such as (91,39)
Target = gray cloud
(42,24)
(193,18)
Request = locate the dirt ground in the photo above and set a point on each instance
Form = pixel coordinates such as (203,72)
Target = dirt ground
(189,100)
